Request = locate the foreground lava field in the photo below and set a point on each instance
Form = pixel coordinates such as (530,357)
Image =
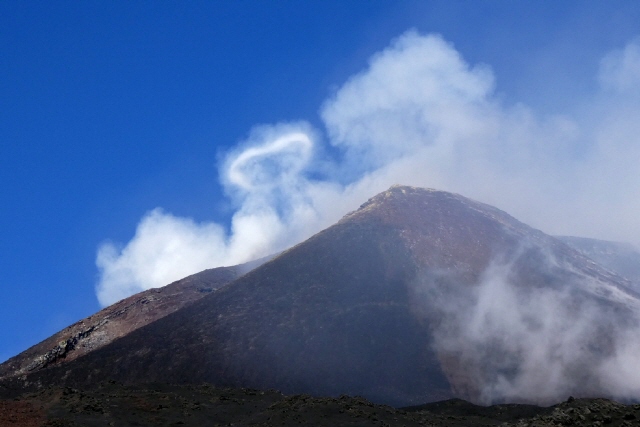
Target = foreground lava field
(114,404)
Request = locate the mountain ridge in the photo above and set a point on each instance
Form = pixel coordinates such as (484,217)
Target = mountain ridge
(372,294)
(120,319)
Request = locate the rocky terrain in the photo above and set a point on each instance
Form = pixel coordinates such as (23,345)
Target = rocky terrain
(120,319)
(112,404)
(116,321)
(418,296)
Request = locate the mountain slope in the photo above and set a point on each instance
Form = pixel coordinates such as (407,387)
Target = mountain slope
(418,296)
(116,321)
(622,258)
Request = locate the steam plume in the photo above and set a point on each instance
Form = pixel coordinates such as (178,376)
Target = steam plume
(504,341)
(418,115)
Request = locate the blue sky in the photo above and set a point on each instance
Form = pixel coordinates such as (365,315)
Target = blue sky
(109,110)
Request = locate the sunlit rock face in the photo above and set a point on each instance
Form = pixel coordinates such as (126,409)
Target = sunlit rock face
(419,295)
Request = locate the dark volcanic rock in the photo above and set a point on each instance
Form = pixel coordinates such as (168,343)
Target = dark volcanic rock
(116,321)
(109,404)
(368,306)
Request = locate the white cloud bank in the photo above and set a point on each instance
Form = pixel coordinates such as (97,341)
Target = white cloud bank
(418,115)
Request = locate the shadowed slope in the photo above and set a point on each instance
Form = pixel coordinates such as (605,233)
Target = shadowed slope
(322,316)
(363,308)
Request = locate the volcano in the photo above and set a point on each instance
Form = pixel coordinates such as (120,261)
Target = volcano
(419,295)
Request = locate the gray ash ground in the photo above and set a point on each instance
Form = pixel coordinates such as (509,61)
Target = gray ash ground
(112,404)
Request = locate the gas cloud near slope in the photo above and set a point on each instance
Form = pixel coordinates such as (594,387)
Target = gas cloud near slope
(420,115)
(512,337)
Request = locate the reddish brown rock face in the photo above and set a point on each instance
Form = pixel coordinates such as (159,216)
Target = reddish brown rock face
(21,413)
(116,321)
(369,307)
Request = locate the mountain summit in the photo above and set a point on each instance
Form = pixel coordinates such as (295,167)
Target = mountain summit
(419,295)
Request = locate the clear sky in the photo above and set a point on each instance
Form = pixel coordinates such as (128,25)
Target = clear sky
(109,110)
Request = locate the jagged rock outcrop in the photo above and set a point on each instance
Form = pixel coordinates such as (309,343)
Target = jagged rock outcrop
(116,321)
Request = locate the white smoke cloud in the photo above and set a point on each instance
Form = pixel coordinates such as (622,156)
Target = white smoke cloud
(418,93)
(277,207)
(165,248)
(504,342)
(620,69)
(271,164)
(417,115)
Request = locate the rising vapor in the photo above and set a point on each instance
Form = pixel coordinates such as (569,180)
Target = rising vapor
(505,342)
(417,115)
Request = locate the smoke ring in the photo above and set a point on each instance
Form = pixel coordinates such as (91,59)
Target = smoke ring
(294,150)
